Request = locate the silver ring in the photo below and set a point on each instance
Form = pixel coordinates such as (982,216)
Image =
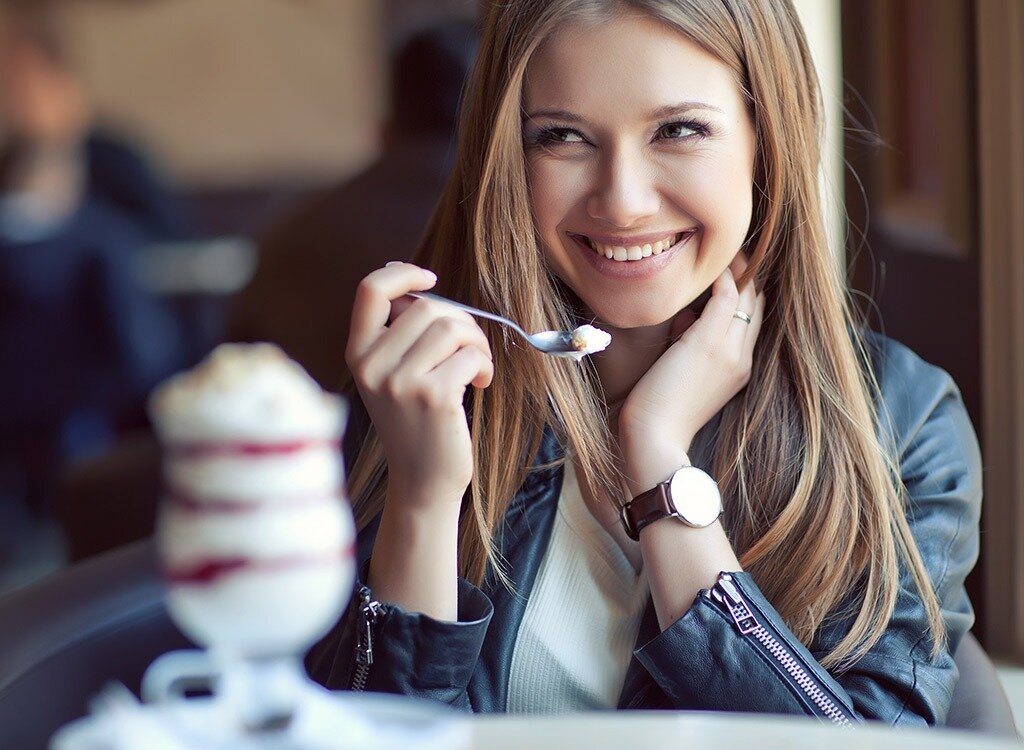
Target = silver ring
(742,316)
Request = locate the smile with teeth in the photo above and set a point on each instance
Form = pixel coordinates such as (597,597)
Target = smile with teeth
(634,252)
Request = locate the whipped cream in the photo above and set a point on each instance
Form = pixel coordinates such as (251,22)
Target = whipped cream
(589,340)
(250,392)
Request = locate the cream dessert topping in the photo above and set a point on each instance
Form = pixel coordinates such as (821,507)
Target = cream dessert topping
(589,340)
(244,391)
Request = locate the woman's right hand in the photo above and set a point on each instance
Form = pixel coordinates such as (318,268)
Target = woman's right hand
(412,361)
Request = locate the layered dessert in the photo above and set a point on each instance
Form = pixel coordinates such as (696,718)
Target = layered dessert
(255,536)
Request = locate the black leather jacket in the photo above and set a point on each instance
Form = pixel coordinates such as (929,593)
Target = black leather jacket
(731,651)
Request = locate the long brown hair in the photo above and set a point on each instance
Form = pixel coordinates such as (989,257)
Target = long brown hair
(815,506)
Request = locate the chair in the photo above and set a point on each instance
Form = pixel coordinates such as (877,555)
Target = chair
(104,619)
(979,701)
(64,638)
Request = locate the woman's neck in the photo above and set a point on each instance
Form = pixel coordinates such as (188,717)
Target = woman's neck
(631,354)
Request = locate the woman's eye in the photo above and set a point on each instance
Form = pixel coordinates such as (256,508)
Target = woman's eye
(555,136)
(562,135)
(678,130)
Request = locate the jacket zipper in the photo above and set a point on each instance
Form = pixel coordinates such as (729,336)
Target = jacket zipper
(727,594)
(369,612)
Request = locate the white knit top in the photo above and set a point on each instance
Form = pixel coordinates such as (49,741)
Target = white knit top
(581,621)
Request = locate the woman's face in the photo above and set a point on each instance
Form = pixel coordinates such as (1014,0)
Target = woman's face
(639,146)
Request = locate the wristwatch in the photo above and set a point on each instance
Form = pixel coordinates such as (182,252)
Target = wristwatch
(689,495)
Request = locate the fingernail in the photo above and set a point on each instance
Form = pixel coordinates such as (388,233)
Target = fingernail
(392,263)
(431,274)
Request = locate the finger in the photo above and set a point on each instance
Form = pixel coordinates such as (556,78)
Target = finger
(467,366)
(747,289)
(746,303)
(400,305)
(372,306)
(739,266)
(391,347)
(442,339)
(411,317)
(757,318)
(717,315)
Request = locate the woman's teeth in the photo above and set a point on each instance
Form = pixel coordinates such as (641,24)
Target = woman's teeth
(635,252)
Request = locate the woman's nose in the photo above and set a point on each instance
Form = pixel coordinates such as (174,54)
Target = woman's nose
(626,192)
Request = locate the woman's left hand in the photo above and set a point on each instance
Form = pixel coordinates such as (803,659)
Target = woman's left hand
(691,381)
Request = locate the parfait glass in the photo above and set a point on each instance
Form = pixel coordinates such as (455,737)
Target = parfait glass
(256,543)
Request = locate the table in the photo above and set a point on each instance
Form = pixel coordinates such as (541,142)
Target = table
(652,730)
(611,730)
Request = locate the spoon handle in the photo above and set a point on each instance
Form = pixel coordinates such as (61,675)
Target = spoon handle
(472,311)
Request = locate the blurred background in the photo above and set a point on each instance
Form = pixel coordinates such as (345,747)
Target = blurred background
(153,156)
(177,173)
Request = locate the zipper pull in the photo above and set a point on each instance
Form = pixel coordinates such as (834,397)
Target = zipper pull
(369,610)
(726,592)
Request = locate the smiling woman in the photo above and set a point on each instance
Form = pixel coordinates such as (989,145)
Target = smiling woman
(712,513)
(622,171)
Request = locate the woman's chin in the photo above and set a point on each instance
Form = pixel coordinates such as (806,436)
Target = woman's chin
(625,319)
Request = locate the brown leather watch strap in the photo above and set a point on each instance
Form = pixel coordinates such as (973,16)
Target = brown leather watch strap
(646,508)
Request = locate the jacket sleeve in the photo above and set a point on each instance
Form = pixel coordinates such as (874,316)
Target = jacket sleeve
(704,660)
(413,654)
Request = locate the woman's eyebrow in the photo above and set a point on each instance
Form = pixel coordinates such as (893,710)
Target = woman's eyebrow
(660,113)
(553,114)
(682,108)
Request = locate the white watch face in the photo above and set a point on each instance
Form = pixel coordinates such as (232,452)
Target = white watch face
(696,497)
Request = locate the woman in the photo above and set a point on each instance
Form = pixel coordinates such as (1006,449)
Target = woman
(617,162)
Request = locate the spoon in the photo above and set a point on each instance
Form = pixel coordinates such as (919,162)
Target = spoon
(574,344)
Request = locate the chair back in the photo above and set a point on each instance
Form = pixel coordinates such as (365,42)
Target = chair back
(979,700)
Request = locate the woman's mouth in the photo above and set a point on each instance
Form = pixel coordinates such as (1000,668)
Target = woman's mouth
(631,258)
(624,253)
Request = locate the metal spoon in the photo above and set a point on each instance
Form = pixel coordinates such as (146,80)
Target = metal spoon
(555,343)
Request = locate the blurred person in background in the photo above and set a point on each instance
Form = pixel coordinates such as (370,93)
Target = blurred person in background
(53,153)
(82,342)
(311,261)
